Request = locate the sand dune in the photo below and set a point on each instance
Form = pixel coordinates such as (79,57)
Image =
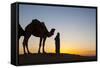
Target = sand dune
(52,58)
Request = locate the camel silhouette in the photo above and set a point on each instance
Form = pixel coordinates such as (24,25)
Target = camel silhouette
(37,29)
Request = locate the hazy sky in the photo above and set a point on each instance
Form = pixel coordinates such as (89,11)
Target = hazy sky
(77,27)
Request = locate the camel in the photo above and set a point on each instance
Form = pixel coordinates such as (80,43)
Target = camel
(37,29)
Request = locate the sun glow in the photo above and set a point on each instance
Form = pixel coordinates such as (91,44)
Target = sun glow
(66,47)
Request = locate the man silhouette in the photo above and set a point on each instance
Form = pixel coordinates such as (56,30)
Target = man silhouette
(57,43)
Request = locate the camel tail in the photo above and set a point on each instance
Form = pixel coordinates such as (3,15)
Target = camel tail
(21,32)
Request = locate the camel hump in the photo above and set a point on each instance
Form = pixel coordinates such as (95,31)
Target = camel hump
(38,23)
(35,21)
(36,26)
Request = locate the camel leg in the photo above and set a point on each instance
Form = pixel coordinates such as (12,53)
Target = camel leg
(25,42)
(40,45)
(44,45)
(24,48)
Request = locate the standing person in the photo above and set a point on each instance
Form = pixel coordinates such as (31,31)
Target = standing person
(57,43)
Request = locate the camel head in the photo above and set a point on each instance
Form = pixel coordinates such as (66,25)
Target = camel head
(51,32)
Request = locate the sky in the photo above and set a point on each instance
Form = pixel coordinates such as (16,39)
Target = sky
(77,28)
